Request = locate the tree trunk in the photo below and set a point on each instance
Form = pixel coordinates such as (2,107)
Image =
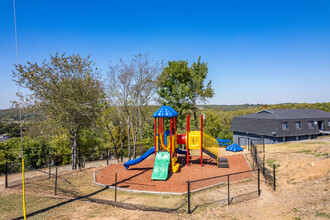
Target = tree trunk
(74,151)
(134,137)
(195,118)
(121,142)
(79,158)
(114,144)
(141,138)
(129,142)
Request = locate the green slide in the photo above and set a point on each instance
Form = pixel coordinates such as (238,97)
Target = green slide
(162,162)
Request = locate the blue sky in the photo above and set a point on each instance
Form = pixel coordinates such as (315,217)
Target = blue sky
(257,51)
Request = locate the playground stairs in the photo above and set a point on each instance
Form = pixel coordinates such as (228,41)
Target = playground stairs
(223,163)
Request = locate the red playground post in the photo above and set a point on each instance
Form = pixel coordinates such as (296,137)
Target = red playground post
(155,136)
(187,142)
(201,140)
(171,144)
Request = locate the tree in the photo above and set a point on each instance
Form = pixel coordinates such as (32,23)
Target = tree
(198,91)
(183,87)
(174,88)
(131,86)
(66,89)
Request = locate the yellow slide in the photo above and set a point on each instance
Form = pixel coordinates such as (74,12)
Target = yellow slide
(175,165)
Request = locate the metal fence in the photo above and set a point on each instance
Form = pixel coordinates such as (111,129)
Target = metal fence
(223,190)
(219,190)
(52,160)
(269,175)
(144,200)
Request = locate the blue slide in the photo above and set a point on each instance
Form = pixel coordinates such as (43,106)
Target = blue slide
(140,159)
(181,151)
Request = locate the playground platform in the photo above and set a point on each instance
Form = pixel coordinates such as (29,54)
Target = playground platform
(138,177)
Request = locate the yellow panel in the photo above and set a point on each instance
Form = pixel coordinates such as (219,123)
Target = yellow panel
(194,140)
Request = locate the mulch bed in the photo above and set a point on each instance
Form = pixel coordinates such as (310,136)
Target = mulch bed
(138,177)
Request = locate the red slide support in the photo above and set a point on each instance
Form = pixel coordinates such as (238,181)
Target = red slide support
(188,130)
(201,140)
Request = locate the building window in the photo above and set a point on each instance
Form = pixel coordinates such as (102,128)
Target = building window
(298,124)
(311,124)
(329,123)
(285,125)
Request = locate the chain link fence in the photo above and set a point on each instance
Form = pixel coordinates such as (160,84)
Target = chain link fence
(223,190)
(269,175)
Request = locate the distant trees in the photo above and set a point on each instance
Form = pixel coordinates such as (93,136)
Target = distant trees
(66,89)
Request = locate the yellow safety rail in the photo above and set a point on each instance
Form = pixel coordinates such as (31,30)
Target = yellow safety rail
(209,143)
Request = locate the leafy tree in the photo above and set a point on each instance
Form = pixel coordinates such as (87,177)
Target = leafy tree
(212,124)
(60,147)
(10,152)
(198,91)
(36,151)
(174,88)
(66,89)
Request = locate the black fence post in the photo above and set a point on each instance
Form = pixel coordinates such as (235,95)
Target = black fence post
(258,181)
(116,188)
(108,157)
(256,155)
(6,177)
(49,170)
(274,178)
(228,192)
(188,184)
(56,181)
(263,143)
(263,165)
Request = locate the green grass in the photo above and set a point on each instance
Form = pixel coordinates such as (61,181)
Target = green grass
(291,181)
(304,151)
(270,162)
(295,209)
(320,155)
(322,214)
(11,205)
(82,185)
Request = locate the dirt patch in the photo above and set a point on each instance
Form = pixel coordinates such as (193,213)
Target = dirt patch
(138,177)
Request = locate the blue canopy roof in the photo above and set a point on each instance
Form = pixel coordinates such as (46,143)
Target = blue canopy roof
(234,147)
(165,112)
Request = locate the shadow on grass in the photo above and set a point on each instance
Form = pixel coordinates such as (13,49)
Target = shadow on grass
(105,202)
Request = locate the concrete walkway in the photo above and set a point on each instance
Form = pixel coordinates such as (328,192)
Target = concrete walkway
(33,173)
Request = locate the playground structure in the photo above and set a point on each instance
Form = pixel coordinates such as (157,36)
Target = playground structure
(166,142)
